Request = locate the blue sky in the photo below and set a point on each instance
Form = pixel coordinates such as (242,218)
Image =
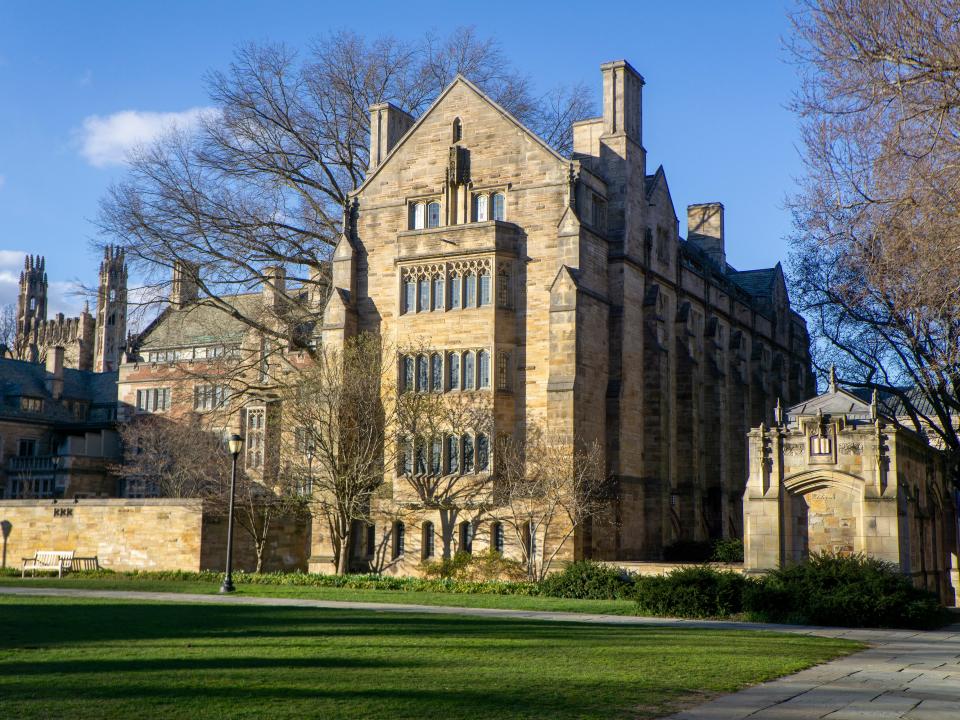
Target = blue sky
(78,81)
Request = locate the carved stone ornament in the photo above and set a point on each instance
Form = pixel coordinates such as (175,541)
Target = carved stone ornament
(792,449)
(851,448)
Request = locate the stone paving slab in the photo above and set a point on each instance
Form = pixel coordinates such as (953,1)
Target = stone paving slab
(906,675)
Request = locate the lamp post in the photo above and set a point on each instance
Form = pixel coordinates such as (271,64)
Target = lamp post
(309,488)
(235,444)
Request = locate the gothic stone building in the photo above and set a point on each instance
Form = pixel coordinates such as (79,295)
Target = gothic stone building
(89,343)
(836,474)
(560,289)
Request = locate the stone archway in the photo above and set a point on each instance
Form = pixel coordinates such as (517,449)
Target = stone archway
(822,510)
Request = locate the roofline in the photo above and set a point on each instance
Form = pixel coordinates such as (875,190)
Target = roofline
(409,133)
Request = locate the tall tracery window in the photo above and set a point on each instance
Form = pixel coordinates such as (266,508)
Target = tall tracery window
(470,288)
(503,289)
(454,292)
(453,363)
(423,374)
(436,456)
(423,295)
(485,289)
(427,543)
(436,372)
(483,362)
(409,296)
(256,420)
(496,537)
(503,371)
(469,370)
(409,379)
(438,297)
(399,532)
(457,130)
(466,536)
(453,454)
(483,452)
(420,457)
(467,454)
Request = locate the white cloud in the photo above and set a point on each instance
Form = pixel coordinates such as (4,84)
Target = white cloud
(108,139)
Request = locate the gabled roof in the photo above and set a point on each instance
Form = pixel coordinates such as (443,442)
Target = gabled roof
(19,378)
(459,79)
(835,402)
(758,283)
(200,324)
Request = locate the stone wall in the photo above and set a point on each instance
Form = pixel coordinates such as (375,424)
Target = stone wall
(146,534)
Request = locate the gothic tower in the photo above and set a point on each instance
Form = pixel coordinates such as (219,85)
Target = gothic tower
(111,327)
(31,307)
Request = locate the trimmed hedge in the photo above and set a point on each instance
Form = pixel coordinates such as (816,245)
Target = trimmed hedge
(695,592)
(852,591)
(588,581)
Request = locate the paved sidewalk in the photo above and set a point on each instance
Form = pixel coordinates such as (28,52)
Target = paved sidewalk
(905,674)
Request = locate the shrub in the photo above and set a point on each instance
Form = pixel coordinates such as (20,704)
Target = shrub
(490,565)
(688,551)
(851,591)
(729,550)
(451,567)
(694,592)
(588,581)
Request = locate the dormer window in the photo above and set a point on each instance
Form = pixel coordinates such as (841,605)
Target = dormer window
(457,130)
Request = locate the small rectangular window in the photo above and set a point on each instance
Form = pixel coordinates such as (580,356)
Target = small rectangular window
(433,215)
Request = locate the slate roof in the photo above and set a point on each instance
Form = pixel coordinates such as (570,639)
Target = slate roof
(19,378)
(200,324)
(759,283)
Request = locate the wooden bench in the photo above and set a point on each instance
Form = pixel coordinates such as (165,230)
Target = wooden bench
(48,561)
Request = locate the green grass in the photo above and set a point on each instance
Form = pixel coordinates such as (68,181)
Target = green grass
(105,659)
(482,600)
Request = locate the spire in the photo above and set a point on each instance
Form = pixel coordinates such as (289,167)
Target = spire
(833,378)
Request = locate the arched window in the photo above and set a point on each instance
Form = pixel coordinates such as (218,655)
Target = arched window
(496,537)
(469,371)
(438,297)
(453,454)
(436,373)
(457,130)
(399,531)
(485,289)
(423,375)
(466,536)
(483,362)
(436,456)
(498,206)
(483,452)
(480,204)
(426,543)
(409,296)
(453,365)
(503,371)
(408,380)
(470,286)
(423,293)
(467,454)
(454,292)
(418,216)
(433,215)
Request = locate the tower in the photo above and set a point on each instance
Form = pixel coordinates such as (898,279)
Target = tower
(111,324)
(31,307)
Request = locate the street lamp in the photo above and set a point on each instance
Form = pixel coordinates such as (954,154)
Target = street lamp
(235,444)
(309,487)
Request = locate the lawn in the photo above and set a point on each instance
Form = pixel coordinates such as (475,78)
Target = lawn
(513,602)
(104,659)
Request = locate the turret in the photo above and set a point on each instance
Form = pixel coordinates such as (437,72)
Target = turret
(31,306)
(111,323)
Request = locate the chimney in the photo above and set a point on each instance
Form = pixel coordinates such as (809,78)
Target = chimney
(388,124)
(622,97)
(274,286)
(705,230)
(185,287)
(55,372)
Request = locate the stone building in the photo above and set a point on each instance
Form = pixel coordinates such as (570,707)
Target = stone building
(561,291)
(57,430)
(89,343)
(836,474)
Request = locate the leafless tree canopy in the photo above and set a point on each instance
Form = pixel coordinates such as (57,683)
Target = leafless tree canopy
(545,488)
(8,328)
(876,264)
(264,181)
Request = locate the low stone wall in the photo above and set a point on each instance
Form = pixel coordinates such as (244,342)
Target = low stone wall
(145,534)
(662,568)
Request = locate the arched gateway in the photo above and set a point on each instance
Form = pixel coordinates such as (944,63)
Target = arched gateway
(836,474)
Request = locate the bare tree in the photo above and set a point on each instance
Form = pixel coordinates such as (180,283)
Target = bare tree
(183,458)
(265,181)
(8,329)
(339,405)
(546,487)
(876,265)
